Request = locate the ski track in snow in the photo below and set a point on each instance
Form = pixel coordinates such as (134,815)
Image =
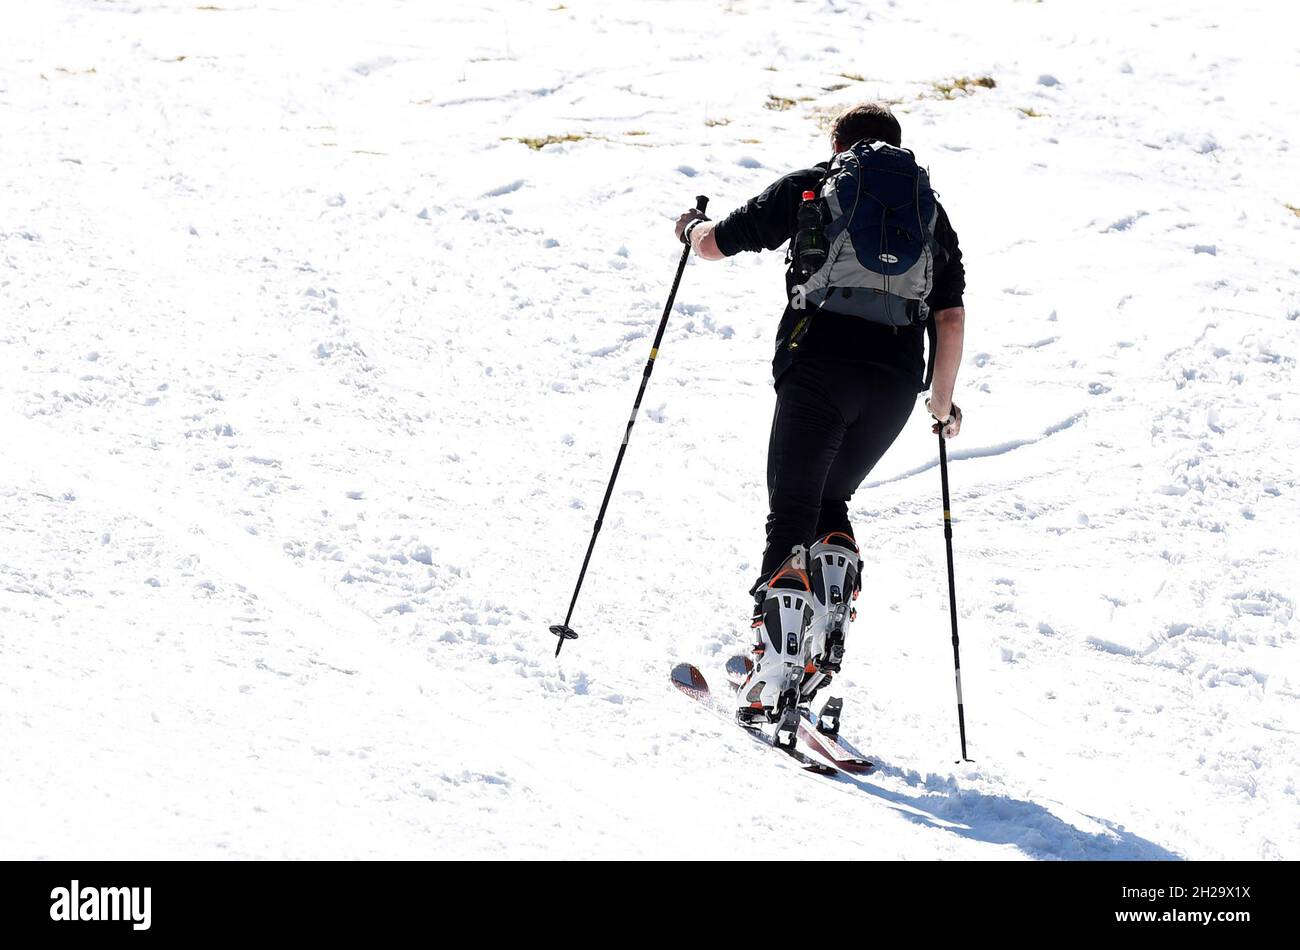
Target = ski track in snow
(313,374)
(961,455)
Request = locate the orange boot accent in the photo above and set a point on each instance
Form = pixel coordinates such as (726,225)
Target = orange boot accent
(840,534)
(795,572)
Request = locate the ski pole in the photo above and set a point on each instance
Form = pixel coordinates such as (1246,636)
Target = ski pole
(563,630)
(952,587)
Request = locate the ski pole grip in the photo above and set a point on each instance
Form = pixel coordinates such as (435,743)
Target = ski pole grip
(701,203)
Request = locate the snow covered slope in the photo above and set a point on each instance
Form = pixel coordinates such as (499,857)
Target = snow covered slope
(314,356)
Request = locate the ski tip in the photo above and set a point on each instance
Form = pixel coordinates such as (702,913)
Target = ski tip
(738,667)
(690,680)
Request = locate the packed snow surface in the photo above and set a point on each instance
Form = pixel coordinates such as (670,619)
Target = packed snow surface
(319,326)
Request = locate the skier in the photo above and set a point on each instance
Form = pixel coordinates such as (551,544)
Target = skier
(872,255)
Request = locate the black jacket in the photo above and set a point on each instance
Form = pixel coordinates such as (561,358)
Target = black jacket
(769,220)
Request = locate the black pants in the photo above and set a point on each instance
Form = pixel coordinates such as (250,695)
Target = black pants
(833,422)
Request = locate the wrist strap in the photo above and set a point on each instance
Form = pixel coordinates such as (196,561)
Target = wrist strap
(952,414)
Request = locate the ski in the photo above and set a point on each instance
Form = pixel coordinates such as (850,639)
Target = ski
(691,681)
(825,743)
(806,762)
(831,746)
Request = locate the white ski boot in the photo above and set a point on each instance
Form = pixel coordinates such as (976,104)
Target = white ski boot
(835,578)
(783,610)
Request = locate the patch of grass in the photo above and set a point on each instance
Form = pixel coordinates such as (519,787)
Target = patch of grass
(1292,208)
(825,115)
(1031,112)
(966,83)
(538,142)
(637,132)
(771,69)
(751,141)
(210,8)
(963,85)
(78,72)
(712,122)
(778,103)
(835,87)
(852,77)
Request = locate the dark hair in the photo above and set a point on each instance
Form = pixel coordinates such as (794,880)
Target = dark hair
(869,120)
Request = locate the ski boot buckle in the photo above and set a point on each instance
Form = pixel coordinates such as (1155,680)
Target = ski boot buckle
(828,720)
(787,729)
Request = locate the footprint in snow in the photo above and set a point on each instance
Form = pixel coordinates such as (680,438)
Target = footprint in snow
(505,189)
(374,65)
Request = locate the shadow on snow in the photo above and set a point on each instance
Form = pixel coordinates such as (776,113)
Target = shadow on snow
(941,803)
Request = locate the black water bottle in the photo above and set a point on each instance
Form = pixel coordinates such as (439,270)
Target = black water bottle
(810,238)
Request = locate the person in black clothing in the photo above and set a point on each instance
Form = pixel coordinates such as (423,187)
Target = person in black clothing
(845,392)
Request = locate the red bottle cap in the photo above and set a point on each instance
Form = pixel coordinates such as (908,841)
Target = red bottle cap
(809,195)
